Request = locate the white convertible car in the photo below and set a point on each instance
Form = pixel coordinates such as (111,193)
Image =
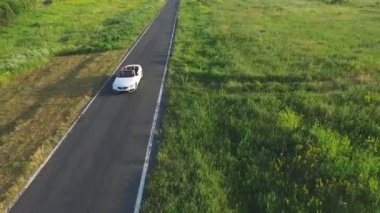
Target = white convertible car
(128,78)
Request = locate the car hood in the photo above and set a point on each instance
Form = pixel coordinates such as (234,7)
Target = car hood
(124,82)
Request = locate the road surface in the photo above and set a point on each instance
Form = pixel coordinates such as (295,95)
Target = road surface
(97,168)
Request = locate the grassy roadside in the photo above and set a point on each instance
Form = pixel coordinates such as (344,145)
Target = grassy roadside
(38,105)
(69,27)
(273,106)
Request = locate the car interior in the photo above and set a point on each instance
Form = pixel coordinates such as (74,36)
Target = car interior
(129,71)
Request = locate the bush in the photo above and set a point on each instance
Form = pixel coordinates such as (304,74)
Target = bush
(10,8)
(335,1)
(46,2)
(6,12)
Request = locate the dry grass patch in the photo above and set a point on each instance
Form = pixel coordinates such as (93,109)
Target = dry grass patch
(37,108)
(361,77)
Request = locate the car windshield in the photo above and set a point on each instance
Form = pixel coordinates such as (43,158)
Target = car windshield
(126,73)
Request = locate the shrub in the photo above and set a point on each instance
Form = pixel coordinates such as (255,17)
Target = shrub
(10,8)
(335,1)
(6,12)
(46,2)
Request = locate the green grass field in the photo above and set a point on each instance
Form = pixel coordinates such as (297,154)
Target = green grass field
(272,106)
(69,27)
(49,73)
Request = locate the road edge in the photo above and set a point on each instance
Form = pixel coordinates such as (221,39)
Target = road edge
(154,123)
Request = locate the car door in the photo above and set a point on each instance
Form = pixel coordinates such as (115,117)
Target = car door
(139,74)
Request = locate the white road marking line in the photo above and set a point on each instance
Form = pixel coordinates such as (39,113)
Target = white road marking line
(155,118)
(31,179)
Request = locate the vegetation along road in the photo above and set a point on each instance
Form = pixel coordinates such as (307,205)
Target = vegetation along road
(273,106)
(270,106)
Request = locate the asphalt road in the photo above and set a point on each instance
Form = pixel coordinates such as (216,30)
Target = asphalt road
(98,166)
